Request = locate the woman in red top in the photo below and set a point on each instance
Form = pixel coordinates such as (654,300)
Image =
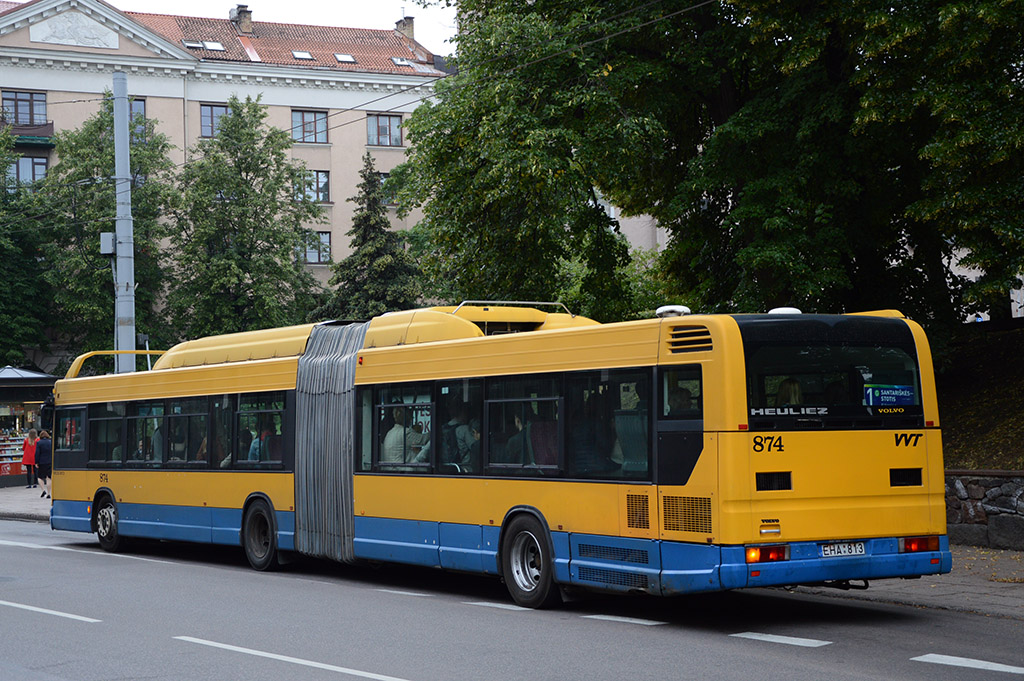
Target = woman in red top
(28,457)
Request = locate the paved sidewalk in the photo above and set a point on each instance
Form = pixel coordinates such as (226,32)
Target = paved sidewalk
(23,504)
(984,581)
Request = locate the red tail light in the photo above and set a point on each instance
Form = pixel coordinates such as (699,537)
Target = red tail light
(918,544)
(767,554)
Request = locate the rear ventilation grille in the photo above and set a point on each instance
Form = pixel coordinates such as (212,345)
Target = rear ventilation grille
(689,339)
(602,576)
(638,512)
(905,477)
(616,553)
(688,514)
(773,482)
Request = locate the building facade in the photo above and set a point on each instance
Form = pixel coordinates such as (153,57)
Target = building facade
(340,91)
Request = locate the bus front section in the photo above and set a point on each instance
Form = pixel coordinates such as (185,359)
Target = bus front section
(834,475)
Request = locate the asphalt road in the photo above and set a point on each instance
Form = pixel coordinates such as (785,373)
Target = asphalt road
(173,611)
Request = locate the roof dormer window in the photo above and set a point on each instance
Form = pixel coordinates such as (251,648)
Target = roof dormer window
(344,58)
(213,45)
(399,61)
(193,44)
(302,54)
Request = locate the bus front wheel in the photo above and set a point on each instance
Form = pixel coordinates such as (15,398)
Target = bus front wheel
(526,565)
(106,526)
(258,536)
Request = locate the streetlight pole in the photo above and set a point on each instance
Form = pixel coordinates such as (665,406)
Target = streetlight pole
(124,279)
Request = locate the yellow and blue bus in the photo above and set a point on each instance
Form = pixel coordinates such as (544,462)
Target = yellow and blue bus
(672,455)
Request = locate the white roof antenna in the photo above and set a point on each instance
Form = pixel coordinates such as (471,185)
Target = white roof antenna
(672,311)
(785,310)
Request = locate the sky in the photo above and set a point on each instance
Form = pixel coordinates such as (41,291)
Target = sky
(433,26)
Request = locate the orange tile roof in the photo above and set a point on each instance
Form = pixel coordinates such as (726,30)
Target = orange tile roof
(272,43)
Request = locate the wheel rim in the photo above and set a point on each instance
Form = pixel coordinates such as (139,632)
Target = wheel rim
(106,521)
(526,560)
(258,535)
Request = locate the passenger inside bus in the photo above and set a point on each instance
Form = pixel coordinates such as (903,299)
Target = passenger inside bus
(403,443)
(680,401)
(789,393)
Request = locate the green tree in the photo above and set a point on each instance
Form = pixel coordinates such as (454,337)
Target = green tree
(835,156)
(958,66)
(240,230)
(502,165)
(78,199)
(379,276)
(23,305)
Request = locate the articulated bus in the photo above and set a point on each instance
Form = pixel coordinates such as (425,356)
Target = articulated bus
(672,455)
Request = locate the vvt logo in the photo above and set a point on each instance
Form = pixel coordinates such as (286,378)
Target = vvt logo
(907,439)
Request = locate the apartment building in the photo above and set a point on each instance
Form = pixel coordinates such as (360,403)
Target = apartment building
(340,91)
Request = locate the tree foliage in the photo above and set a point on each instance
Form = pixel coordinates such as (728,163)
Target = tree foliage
(23,304)
(78,199)
(241,224)
(835,156)
(502,163)
(378,276)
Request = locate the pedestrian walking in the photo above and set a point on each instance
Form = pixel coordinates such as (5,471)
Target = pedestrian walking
(28,457)
(44,462)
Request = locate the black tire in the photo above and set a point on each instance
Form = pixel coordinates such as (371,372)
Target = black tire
(259,537)
(106,526)
(526,564)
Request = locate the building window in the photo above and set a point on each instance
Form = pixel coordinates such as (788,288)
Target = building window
(309,126)
(27,169)
(384,131)
(321,253)
(209,119)
(386,191)
(24,108)
(319,187)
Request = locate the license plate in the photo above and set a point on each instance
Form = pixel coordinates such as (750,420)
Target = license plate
(849,549)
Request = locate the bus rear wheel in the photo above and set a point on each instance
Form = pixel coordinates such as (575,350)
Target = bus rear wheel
(106,526)
(526,565)
(258,536)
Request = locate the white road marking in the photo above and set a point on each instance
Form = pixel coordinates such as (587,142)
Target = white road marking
(500,606)
(787,640)
(26,545)
(292,660)
(968,662)
(44,611)
(625,620)
(403,593)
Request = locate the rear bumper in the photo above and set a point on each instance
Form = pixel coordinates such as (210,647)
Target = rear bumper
(881,560)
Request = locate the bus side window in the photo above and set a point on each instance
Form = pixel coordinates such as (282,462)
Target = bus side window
(607,432)
(364,429)
(106,431)
(459,430)
(682,393)
(405,428)
(220,452)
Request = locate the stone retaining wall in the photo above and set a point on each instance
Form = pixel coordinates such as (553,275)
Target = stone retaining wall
(986,508)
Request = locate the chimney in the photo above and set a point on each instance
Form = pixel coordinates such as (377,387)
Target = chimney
(405,27)
(241,17)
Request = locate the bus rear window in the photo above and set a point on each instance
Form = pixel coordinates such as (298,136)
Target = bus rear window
(803,385)
(822,371)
